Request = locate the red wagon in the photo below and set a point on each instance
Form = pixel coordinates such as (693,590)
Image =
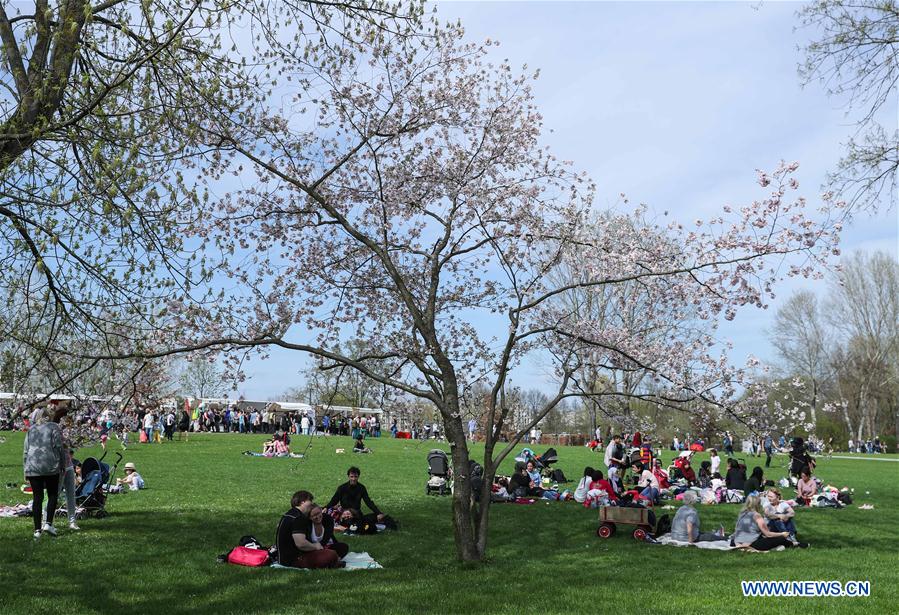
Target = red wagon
(610,517)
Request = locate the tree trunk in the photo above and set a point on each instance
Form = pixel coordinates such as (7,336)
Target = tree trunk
(814,405)
(463,517)
(864,400)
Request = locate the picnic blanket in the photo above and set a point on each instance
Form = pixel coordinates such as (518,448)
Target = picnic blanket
(354,561)
(716,545)
(16,510)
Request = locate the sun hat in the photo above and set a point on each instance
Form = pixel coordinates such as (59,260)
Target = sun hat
(130,466)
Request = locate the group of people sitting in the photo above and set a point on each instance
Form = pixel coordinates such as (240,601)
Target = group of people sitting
(305,537)
(765,522)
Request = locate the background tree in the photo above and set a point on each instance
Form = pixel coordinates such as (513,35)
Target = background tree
(864,311)
(798,335)
(201,377)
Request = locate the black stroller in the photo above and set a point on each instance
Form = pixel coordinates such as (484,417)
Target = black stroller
(440,474)
(96,477)
(543,463)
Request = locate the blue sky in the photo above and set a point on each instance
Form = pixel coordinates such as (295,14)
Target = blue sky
(673,103)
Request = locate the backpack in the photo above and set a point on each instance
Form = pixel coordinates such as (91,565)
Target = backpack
(734,497)
(557,476)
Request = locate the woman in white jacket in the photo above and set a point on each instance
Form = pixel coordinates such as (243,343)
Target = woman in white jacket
(580,494)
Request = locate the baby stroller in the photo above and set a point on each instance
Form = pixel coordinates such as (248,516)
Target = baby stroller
(90,496)
(439,473)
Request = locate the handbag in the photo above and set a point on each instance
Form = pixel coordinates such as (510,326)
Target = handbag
(245,556)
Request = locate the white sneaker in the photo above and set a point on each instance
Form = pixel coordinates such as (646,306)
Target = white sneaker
(74,526)
(49,529)
(37,534)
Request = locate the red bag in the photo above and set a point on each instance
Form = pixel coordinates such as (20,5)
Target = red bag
(244,556)
(143,436)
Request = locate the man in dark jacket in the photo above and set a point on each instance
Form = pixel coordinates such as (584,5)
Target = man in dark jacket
(350,496)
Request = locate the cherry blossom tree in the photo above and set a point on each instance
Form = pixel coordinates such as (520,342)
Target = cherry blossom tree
(410,205)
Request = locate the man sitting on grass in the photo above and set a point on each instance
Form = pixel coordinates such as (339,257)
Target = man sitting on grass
(292,538)
(685,525)
(346,503)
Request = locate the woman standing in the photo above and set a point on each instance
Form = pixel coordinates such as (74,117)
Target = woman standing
(43,460)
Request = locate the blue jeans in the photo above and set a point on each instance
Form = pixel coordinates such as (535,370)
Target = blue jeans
(650,492)
(776,525)
(149,431)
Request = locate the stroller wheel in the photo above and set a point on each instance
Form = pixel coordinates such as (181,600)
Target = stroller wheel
(606,530)
(427,490)
(101,514)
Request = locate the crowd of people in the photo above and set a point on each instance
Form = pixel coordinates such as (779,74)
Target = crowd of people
(635,476)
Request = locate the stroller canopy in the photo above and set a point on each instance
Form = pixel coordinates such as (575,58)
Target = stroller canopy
(438,463)
(550,456)
(94,474)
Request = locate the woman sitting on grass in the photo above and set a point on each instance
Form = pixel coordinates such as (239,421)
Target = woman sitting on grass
(276,447)
(755,482)
(806,488)
(322,532)
(736,476)
(752,530)
(779,514)
(583,486)
(647,483)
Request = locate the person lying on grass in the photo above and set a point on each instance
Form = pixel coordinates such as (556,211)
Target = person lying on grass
(293,538)
(348,499)
(685,526)
(779,514)
(752,529)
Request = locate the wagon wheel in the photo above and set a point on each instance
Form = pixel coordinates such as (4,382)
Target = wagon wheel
(640,533)
(606,530)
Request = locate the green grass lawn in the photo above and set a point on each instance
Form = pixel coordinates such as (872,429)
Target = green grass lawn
(156,552)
